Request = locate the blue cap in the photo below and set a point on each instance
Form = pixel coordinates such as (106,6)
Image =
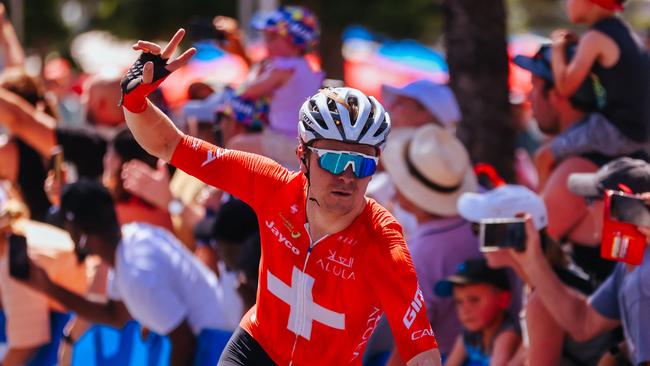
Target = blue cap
(470,272)
(591,93)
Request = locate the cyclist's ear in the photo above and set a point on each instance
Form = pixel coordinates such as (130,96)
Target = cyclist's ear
(301,154)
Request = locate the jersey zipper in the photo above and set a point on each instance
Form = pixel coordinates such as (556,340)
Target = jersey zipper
(302,288)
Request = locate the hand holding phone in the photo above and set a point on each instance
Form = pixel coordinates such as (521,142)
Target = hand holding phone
(621,239)
(502,233)
(18,260)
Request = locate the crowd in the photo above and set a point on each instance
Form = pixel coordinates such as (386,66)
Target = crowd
(319,225)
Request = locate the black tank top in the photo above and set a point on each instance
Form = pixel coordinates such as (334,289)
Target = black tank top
(31,180)
(627,83)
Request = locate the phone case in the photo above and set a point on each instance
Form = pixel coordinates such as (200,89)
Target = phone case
(621,241)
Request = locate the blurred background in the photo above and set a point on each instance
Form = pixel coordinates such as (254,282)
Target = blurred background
(365,44)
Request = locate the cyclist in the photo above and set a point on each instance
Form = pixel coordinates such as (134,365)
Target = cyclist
(332,259)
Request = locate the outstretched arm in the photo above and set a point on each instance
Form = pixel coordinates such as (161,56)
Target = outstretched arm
(153,130)
(569,308)
(24,121)
(11,48)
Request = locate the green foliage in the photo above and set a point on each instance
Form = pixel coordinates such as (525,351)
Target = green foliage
(43,25)
(418,19)
(155,19)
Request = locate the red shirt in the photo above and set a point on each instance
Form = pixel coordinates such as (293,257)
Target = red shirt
(317,303)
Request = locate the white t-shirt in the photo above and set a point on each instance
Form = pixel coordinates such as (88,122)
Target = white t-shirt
(287,99)
(162,283)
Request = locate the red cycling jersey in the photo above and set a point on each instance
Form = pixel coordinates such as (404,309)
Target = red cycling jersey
(317,303)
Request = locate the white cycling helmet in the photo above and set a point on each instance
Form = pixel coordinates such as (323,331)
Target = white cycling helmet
(344,114)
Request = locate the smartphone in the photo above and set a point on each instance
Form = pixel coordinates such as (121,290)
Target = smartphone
(629,209)
(621,240)
(18,261)
(502,233)
(57,163)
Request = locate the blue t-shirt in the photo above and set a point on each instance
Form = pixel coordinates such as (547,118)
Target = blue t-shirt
(473,341)
(626,296)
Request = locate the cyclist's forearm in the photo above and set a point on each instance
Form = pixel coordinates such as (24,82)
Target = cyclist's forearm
(154,131)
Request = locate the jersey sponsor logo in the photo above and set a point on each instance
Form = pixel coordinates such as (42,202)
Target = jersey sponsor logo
(373,320)
(213,154)
(281,238)
(339,266)
(303,311)
(421,334)
(413,309)
(288,225)
(196,143)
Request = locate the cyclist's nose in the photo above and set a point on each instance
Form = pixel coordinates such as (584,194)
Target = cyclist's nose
(348,174)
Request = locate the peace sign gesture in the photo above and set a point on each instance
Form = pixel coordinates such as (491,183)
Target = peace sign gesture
(149,71)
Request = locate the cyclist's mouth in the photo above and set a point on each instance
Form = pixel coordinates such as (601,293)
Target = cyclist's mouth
(342,193)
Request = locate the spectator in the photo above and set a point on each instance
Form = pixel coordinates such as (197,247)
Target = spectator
(22,164)
(555,113)
(285,79)
(411,106)
(482,296)
(231,227)
(430,169)
(545,341)
(27,311)
(421,102)
(234,116)
(247,270)
(620,300)
(613,55)
(154,278)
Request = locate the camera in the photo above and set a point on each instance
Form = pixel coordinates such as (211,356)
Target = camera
(502,233)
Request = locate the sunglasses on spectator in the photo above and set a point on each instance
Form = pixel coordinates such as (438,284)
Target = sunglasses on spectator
(337,161)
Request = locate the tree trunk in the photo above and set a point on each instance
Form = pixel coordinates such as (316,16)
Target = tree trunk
(475,38)
(330,47)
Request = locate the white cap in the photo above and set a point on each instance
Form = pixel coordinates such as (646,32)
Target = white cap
(436,98)
(503,202)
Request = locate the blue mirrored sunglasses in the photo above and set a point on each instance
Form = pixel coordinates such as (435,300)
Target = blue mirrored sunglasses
(336,161)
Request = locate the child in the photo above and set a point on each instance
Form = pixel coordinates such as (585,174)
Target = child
(285,78)
(482,296)
(611,54)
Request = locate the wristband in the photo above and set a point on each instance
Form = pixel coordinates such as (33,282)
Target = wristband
(134,92)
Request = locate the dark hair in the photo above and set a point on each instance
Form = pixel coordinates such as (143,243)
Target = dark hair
(88,205)
(127,148)
(249,258)
(235,221)
(31,89)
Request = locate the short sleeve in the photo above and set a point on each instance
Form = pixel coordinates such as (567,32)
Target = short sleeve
(286,63)
(393,280)
(605,299)
(154,303)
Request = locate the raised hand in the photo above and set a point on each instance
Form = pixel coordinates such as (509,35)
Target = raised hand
(150,70)
(152,185)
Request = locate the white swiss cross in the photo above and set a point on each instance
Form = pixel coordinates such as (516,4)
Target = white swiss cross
(303,310)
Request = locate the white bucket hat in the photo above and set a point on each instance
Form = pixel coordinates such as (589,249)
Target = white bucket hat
(503,202)
(438,99)
(430,167)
